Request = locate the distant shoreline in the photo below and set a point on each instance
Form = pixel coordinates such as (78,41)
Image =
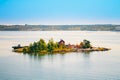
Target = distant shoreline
(102,27)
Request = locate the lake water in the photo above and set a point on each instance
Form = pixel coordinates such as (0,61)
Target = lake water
(69,66)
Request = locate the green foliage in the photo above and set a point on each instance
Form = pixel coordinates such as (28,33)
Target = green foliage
(24,50)
(42,47)
(86,44)
(30,48)
(51,45)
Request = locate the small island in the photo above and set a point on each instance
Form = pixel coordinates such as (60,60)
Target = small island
(41,47)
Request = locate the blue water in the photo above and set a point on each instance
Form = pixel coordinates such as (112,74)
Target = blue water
(69,66)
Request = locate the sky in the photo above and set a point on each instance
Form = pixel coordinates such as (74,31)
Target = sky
(59,12)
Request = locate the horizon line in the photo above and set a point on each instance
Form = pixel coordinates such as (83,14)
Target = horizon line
(61,24)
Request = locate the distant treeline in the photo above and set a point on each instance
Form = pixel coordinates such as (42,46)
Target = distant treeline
(59,27)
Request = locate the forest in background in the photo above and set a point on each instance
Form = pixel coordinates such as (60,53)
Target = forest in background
(26,27)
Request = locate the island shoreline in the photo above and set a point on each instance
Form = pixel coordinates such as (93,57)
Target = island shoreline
(41,47)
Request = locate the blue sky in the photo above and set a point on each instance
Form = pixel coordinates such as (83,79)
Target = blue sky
(59,11)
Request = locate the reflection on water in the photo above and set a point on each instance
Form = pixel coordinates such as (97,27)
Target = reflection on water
(37,56)
(69,66)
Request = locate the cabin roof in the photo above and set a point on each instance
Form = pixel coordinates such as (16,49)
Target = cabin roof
(61,41)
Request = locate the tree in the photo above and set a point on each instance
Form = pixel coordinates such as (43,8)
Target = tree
(24,50)
(56,45)
(35,47)
(86,44)
(51,45)
(30,48)
(42,45)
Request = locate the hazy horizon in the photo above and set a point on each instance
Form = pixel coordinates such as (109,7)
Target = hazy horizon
(60,24)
